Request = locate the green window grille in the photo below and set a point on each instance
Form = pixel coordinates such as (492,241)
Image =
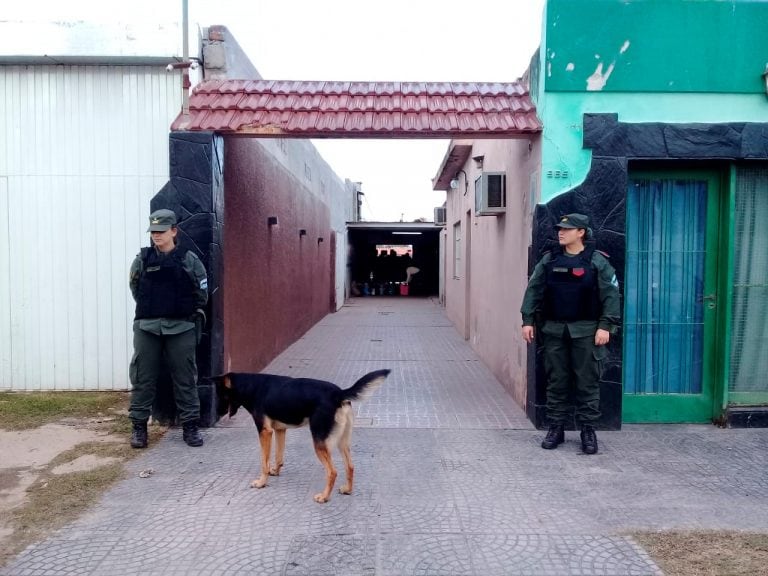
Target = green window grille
(749,310)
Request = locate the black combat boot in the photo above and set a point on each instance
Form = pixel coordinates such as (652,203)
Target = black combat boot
(588,440)
(191,434)
(555,437)
(139,434)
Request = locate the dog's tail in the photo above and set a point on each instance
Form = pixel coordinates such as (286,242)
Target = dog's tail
(364,387)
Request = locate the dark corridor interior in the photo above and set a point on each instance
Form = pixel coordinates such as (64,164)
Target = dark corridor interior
(384,258)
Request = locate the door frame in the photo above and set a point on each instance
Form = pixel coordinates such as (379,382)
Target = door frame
(467,274)
(707,406)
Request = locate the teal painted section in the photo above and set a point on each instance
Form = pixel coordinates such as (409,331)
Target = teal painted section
(565,163)
(656,45)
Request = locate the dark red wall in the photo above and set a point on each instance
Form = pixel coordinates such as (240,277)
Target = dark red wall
(276,282)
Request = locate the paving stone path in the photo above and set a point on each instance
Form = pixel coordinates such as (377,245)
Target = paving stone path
(450,479)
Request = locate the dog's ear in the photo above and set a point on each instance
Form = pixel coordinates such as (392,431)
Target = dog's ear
(221,379)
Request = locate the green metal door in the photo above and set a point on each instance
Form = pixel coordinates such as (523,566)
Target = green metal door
(670,296)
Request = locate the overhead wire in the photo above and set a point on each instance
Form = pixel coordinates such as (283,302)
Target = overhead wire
(370,210)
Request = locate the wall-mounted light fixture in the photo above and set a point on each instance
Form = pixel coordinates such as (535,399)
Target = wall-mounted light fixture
(302,232)
(272,221)
(455,181)
(765,79)
(478,161)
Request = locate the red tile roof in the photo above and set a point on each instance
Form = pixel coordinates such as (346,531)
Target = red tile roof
(361,109)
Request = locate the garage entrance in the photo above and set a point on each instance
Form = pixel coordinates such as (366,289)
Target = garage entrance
(393,258)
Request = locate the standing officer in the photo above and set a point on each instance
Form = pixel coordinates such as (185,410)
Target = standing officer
(574,296)
(170,288)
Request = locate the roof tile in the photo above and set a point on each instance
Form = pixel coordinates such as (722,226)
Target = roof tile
(254,101)
(387,88)
(227,101)
(362,109)
(384,122)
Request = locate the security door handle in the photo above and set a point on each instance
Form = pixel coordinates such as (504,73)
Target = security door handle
(711,300)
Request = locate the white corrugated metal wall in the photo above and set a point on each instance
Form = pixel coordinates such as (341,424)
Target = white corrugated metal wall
(82,151)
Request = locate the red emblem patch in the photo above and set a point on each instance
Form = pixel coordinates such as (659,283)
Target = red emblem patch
(578,272)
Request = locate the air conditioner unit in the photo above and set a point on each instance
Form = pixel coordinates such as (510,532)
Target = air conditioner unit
(439,215)
(491,194)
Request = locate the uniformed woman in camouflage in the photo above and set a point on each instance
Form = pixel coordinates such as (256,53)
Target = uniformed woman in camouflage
(170,288)
(573,297)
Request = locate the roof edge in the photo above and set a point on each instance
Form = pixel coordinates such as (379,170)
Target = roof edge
(455,157)
(55,60)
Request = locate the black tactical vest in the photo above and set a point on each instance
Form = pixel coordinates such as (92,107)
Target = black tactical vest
(166,290)
(571,291)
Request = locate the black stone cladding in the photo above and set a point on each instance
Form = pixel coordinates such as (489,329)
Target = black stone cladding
(602,196)
(196,193)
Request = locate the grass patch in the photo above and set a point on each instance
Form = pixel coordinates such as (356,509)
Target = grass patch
(23,410)
(55,501)
(707,553)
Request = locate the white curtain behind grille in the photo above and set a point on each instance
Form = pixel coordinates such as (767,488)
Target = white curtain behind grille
(749,312)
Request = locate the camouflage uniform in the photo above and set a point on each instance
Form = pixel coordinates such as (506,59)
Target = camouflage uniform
(171,339)
(567,315)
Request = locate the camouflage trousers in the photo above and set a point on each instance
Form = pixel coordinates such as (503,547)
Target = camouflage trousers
(573,367)
(151,352)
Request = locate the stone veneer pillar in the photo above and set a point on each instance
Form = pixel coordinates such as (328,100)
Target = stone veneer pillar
(195,192)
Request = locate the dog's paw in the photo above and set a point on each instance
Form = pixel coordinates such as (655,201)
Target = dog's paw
(321,498)
(259,483)
(345,490)
(275,471)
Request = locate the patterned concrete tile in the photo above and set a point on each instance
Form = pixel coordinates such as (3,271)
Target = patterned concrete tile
(408,554)
(63,556)
(150,554)
(332,554)
(449,479)
(430,517)
(538,555)
(237,553)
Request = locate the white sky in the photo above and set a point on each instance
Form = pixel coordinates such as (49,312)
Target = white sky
(405,40)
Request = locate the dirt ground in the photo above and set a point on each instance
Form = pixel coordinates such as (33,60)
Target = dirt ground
(59,452)
(30,456)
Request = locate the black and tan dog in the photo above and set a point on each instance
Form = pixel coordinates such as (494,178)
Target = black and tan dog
(281,402)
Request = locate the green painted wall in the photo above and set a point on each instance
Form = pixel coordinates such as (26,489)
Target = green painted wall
(656,45)
(562,115)
(708,70)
